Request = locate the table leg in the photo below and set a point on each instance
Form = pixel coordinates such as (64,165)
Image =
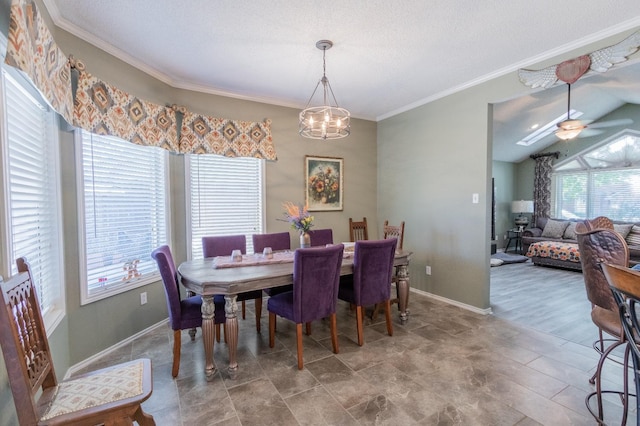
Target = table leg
(230,309)
(208,333)
(403,293)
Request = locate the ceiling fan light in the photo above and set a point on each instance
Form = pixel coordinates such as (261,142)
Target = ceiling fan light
(569,129)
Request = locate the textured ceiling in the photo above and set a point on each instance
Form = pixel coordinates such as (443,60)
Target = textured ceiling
(388,56)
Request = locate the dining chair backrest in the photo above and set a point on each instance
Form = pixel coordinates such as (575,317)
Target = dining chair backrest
(277,241)
(358,230)
(372,270)
(394,231)
(316,276)
(213,246)
(164,259)
(625,285)
(596,247)
(321,237)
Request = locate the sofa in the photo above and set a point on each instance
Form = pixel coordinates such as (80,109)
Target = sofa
(560,242)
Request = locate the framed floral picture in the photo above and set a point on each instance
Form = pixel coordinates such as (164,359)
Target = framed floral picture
(323,183)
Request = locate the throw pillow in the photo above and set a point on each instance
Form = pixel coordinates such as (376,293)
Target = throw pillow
(554,228)
(633,239)
(622,229)
(570,232)
(496,262)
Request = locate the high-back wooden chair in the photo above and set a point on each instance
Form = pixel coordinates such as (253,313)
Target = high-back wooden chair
(394,231)
(358,230)
(108,396)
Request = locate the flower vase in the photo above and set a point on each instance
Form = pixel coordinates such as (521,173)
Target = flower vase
(305,240)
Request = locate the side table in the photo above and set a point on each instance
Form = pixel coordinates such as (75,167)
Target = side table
(514,235)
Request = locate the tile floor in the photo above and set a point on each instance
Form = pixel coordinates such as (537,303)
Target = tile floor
(446,366)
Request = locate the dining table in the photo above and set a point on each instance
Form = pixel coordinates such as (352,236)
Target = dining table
(228,276)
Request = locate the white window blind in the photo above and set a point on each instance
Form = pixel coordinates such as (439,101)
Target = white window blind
(225,198)
(124,210)
(32,192)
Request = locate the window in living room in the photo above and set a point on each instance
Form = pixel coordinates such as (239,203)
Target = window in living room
(603,181)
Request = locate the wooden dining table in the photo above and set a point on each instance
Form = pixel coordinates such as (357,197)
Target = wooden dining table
(211,276)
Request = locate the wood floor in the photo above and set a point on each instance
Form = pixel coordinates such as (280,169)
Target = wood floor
(547,299)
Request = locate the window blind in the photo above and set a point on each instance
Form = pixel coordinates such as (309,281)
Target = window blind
(225,198)
(33,192)
(124,208)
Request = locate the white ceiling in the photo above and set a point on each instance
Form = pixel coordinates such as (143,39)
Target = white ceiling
(388,56)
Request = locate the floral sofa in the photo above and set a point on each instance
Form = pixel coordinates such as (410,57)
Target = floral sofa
(553,242)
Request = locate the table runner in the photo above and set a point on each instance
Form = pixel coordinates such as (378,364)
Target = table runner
(253,260)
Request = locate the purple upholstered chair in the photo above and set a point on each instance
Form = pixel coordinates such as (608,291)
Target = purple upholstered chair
(223,246)
(316,275)
(370,283)
(186,313)
(321,237)
(277,241)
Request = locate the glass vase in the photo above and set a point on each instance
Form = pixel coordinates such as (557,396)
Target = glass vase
(305,240)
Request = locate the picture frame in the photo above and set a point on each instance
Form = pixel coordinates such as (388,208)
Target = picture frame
(324,183)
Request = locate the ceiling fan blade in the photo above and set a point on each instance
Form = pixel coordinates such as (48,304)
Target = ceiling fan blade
(610,123)
(588,132)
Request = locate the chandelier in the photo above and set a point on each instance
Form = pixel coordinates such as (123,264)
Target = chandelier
(326,121)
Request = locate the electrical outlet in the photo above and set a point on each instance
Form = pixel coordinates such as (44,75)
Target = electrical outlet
(143,298)
(428,270)
(505,237)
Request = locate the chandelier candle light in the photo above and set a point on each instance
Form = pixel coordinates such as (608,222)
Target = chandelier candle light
(325,121)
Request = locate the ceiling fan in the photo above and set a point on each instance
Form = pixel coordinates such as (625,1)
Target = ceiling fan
(572,128)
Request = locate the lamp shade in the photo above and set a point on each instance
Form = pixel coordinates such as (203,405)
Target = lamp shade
(522,206)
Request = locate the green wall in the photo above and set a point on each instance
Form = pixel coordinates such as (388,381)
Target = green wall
(505,182)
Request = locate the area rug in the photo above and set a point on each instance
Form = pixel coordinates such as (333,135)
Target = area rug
(502,258)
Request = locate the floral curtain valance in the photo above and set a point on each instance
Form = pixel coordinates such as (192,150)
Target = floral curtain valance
(31,49)
(106,110)
(232,138)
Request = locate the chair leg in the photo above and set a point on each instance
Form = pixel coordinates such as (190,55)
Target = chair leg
(244,310)
(217,333)
(376,310)
(258,308)
(299,345)
(388,317)
(334,333)
(143,418)
(272,329)
(308,328)
(359,325)
(192,334)
(177,342)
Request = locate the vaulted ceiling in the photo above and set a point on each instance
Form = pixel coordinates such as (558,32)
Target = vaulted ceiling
(388,56)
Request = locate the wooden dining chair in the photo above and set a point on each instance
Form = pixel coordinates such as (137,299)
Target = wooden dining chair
(109,396)
(358,230)
(394,231)
(223,245)
(316,275)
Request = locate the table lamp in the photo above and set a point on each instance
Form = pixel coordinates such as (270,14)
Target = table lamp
(521,207)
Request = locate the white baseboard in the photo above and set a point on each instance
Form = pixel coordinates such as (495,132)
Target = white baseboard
(86,362)
(487,311)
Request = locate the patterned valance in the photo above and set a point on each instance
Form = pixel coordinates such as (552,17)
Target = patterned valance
(31,49)
(106,110)
(232,138)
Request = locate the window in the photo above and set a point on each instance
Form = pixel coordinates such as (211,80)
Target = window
(123,205)
(604,181)
(225,197)
(32,193)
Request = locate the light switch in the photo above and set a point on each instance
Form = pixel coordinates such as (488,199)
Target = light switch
(475,198)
